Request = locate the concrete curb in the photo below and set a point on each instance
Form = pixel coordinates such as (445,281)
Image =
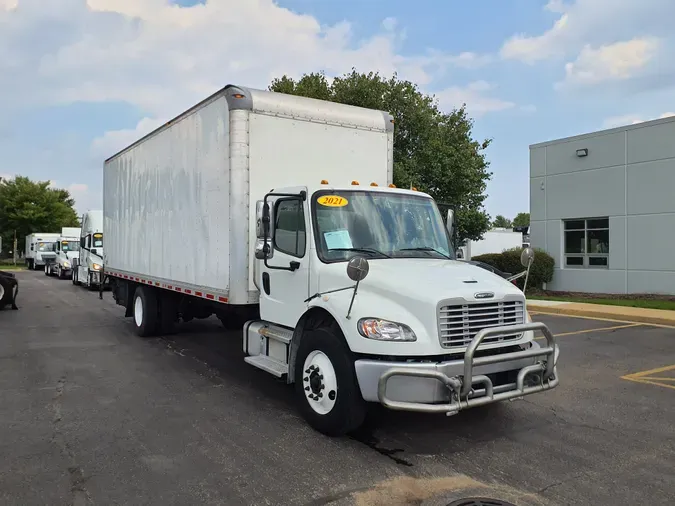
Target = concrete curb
(619,313)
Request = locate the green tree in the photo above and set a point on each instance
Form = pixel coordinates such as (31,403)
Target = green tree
(521,220)
(501,222)
(31,206)
(433,150)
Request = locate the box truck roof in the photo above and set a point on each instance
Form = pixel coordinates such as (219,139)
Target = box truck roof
(289,106)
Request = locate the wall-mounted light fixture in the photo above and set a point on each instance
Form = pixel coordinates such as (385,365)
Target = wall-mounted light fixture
(582,152)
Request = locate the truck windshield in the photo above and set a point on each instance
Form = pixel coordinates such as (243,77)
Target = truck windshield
(70,246)
(45,246)
(379,225)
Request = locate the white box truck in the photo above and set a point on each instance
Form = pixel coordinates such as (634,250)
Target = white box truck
(87,267)
(66,247)
(278,214)
(40,250)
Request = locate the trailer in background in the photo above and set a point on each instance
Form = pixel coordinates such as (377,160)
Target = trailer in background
(494,241)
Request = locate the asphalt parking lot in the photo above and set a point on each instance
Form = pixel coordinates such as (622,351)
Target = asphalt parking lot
(92,414)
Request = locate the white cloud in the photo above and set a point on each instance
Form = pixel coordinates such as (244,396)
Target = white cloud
(8,5)
(631,119)
(113,141)
(475,96)
(163,58)
(613,62)
(590,22)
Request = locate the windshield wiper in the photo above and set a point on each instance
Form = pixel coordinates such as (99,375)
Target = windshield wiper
(427,248)
(366,250)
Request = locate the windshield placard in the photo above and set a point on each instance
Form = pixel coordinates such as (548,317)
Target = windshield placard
(332,201)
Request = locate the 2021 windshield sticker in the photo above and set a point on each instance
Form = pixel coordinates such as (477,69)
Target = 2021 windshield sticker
(332,201)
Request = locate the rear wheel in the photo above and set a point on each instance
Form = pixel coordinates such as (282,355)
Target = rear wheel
(145,311)
(326,388)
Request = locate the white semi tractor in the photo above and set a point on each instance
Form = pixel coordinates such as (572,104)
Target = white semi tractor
(278,214)
(87,268)
(40,250)
(66,247)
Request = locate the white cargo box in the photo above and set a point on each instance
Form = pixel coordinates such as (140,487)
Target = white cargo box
(179,204)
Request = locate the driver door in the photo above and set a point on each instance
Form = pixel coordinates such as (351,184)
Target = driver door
(284,274)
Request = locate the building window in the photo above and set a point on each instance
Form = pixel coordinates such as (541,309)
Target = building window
(289,230)
(587,243)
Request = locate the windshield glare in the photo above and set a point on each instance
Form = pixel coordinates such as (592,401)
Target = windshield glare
(378,224)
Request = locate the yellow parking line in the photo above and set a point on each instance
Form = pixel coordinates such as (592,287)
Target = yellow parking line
(602,319)
(649,378)
(658,370)
(586,331)
(640,380)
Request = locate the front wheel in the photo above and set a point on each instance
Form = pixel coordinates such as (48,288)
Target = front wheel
(327,392)
(46,269)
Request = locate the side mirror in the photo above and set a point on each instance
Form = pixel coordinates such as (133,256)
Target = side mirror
(450,221)
(526,257)
(94,251)
(259,231)
(358,268)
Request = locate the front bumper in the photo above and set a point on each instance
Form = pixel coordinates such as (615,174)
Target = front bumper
(448,387)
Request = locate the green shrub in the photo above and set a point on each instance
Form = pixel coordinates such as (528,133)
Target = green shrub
(509,261)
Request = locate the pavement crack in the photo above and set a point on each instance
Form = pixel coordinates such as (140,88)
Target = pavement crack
(79,496)
(561,482)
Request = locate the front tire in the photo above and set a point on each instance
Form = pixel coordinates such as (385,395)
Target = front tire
(144,311)
(326,388)
(46,269)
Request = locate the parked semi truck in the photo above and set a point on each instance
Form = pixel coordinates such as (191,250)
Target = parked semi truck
(66,247)
(87,267)
(40,250)
(278,214)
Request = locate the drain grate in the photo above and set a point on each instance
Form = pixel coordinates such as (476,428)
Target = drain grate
(480,501)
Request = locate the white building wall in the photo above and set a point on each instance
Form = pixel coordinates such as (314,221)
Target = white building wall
(628,177)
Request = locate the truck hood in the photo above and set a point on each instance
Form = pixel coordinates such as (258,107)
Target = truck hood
(422,280)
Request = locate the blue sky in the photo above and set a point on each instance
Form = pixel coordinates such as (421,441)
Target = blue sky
(80,79)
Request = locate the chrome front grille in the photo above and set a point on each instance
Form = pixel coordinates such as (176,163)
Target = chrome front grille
(459,324)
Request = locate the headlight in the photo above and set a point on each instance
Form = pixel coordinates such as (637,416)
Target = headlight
(66,264)
(96,267)
(383,330)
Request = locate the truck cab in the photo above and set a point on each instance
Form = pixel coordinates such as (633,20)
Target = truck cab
(87,268)
(67,248)
(363,300)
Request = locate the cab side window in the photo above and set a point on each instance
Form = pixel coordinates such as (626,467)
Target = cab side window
(289,228)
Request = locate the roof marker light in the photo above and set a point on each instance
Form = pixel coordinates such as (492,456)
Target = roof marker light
(373,183)
(355,182)
(324,181)
(392,185)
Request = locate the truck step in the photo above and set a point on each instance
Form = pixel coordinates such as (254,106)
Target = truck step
(268,364)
